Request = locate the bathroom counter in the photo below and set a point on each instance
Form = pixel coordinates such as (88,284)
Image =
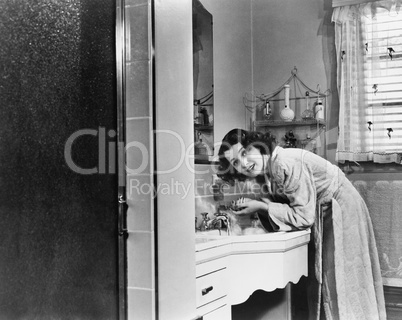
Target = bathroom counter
(230,268)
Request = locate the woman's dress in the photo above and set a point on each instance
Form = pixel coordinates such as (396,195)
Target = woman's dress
(313,193)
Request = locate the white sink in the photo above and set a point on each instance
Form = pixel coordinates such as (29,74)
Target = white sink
(212,233)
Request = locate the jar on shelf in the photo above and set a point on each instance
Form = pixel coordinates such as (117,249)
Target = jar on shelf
(204,116)
(287,114)
(319,110)
(308,114)
(267,110)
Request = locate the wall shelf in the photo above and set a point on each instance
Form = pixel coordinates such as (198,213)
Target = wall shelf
(281,123)
(201,127)
(306,128)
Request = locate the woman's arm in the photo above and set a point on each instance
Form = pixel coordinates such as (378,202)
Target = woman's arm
(297,185)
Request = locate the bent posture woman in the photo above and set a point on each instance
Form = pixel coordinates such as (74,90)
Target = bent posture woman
(303,190)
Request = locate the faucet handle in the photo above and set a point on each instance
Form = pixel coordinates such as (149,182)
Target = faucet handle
(205,221)
(205,215)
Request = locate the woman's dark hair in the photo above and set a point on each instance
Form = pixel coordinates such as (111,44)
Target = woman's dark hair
(264,142)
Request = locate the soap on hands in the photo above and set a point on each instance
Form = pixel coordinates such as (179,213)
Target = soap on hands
(247,206)
(242,223)
(236,205)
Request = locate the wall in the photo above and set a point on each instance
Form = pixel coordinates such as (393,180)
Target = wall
(288,34)
(58,230)
(141,252)
(232,63)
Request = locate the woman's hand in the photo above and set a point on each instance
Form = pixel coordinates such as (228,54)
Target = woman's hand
(251,207)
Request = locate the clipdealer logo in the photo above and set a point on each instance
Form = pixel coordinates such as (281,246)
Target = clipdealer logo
(108,148)
(136,179)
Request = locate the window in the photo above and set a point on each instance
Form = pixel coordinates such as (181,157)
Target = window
(369,50)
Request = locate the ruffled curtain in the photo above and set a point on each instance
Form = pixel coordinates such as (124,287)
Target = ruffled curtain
(363,134)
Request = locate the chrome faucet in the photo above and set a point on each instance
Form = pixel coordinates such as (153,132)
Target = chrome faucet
(221,221)
(205,223)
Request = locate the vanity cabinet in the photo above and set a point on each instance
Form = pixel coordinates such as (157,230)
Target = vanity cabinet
(230,268)
(212,290)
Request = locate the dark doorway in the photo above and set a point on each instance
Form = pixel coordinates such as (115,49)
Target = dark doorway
(58,229)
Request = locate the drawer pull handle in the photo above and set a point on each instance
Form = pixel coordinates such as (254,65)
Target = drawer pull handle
(206,290)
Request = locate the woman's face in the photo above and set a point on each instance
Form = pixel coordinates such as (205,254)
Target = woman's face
(248,161)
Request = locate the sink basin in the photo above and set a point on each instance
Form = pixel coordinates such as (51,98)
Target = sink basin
(238,226)
(212,233)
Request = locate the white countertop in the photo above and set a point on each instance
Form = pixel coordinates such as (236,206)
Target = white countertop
(214,246)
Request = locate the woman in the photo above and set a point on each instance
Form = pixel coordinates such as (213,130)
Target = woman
(303,190)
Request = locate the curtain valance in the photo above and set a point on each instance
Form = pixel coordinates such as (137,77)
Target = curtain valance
(354,11)
(342,3)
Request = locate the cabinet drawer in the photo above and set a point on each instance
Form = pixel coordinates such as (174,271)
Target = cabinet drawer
(222,313)
(210,287)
